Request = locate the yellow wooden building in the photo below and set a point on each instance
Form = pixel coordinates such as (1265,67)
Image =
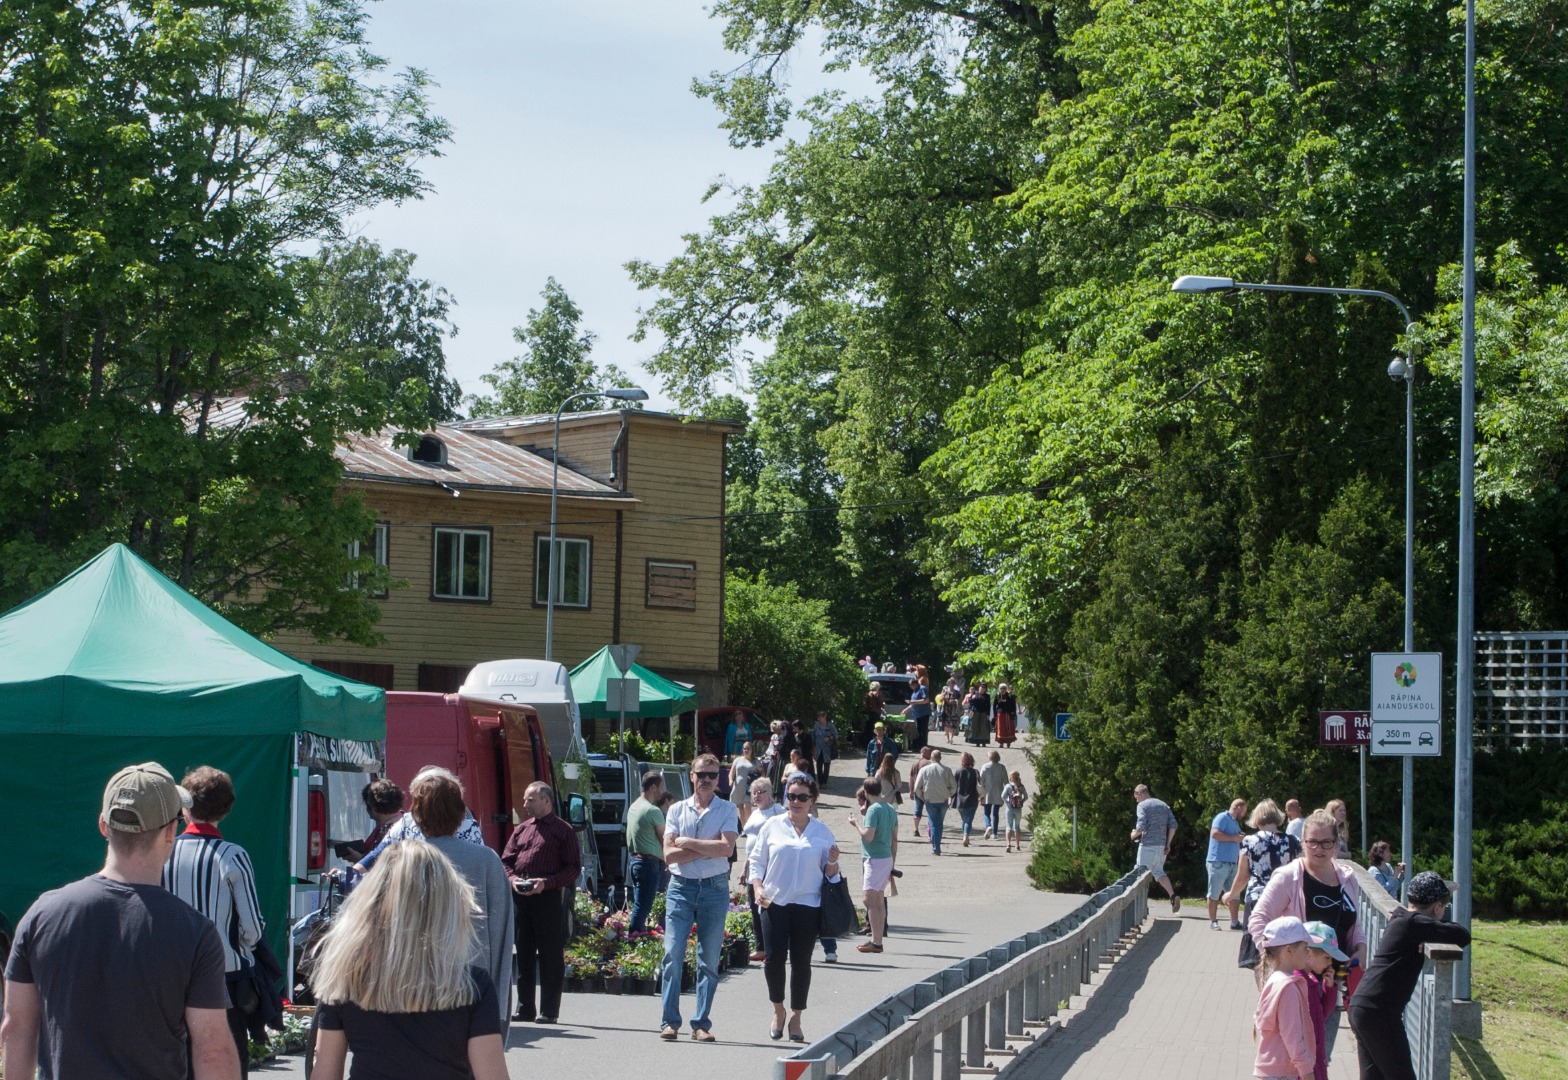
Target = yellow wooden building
(464,522)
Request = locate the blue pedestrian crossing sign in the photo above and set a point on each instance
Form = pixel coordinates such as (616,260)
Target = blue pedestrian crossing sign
(1062,719)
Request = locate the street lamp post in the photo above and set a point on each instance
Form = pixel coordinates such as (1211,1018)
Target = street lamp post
(1399,369)
(619,393)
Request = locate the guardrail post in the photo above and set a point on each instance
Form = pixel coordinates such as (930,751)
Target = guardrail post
(924,1061)
(1439,1030)
(974,1038)
(952,1062)
(996,1008)
(1015,1007)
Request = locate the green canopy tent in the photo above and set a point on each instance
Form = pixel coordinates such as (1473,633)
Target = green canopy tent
(657,696)
(116,665)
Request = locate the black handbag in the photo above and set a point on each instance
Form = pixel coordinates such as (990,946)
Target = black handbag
(837,917)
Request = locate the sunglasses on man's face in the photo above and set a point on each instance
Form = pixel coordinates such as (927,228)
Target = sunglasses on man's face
(706,775)
(799,796)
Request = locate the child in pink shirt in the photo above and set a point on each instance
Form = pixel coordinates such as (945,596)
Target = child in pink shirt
(1287,1048)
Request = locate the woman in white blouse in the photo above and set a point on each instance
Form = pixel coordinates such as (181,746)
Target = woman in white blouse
(786,865)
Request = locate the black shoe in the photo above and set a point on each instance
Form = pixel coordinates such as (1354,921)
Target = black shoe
(546,1019)
(523,1016)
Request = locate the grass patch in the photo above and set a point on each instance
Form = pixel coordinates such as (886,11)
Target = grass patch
(1520,976)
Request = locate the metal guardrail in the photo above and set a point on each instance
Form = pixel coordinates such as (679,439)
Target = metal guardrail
(975,1006)
(1429,1016)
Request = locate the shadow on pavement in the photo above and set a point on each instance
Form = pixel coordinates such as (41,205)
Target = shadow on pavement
(1105,1009)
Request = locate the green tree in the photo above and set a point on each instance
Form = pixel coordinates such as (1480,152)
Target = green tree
(556,363)
(363,310)
(163,164)
(779,654)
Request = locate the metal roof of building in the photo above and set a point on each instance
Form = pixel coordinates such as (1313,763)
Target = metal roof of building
(473,462)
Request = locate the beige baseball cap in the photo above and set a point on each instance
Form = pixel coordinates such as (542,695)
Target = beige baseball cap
(146,793)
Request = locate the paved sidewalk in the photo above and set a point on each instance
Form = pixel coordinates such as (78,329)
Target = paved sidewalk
(1176,1007)
(948,909)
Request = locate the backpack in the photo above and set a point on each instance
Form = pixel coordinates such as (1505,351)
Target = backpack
(1016,799)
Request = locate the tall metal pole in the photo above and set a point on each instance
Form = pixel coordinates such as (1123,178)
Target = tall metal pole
(1407,813)
(1407,797)
(555,486)
(1464,684)
(1194,284)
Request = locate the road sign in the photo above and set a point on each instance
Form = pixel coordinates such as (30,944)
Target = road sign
(1344,727)
(1416,740)
(623,695)
(624,656)
(1062,719)
(1407,704)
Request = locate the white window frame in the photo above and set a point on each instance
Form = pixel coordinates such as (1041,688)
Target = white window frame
(584,596)
(463,535)
(381,539)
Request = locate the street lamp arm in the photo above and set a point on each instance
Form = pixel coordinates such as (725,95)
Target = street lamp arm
(619,393)
(1327,291)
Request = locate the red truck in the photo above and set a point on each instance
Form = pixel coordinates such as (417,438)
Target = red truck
(495,750)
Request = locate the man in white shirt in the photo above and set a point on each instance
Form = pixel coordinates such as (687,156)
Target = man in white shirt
(699,838)
(1293,819)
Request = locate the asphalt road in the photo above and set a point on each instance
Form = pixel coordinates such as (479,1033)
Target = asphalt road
(948,909)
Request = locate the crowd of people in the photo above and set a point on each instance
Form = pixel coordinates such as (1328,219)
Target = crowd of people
(414,974)
(1302,933)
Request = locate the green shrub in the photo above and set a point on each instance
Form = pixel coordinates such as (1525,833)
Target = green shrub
(1056,867)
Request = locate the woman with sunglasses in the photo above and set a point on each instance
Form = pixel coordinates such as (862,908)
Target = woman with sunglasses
(1315,887)
(786,866)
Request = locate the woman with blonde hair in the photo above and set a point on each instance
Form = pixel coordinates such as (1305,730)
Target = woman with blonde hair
(394,979)
(1262,853)
(1336,809)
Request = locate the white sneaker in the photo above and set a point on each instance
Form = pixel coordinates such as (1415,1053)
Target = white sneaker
(1214,924)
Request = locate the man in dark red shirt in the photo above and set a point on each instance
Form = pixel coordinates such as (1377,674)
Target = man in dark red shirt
(542,858)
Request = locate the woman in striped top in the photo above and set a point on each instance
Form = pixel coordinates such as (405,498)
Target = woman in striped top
(215,877)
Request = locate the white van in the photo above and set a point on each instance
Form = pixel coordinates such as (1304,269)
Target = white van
(542,684)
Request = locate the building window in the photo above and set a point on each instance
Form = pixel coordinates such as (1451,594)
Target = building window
(571,582)
(462,564)
(377,544)
(428,451)
(672,585)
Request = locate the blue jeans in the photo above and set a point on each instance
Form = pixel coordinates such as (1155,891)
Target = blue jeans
(936,812)
(647,875)
(967,814)
(993,817)
(704,902)
(920,805)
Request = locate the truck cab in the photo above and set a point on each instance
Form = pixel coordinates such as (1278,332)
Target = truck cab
(496,750)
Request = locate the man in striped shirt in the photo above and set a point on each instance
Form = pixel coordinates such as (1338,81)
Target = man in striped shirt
(215,877)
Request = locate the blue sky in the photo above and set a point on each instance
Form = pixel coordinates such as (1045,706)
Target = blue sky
(578,145)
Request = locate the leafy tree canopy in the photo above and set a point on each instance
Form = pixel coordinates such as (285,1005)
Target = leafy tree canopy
(781,656)
(556,363)
(1133,501)
(163,164)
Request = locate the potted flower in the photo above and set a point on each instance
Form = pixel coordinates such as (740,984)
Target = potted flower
(613,978)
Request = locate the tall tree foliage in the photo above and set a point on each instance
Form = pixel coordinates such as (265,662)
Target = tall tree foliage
(556,363)
(362,311)
(1167,514)
(160,165)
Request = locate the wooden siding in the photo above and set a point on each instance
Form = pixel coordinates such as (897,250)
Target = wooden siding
(676,472)
(419,630)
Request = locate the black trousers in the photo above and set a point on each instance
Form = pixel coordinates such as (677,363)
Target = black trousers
(541,942)
(789,930)
(1382,1046)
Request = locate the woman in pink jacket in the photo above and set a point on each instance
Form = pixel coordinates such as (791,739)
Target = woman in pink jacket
(1316,888)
